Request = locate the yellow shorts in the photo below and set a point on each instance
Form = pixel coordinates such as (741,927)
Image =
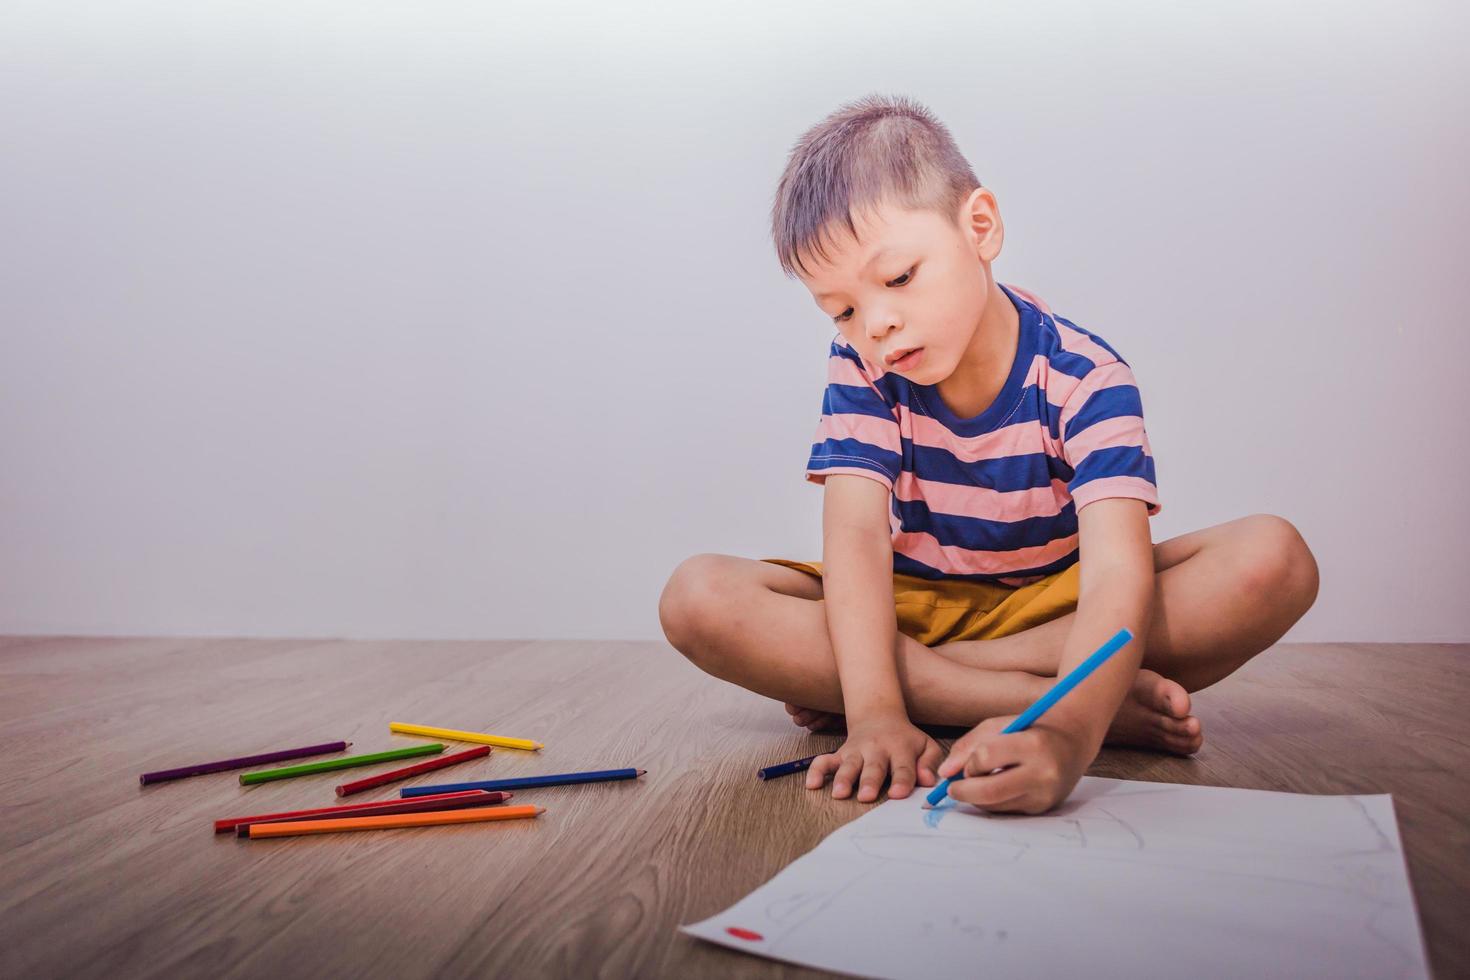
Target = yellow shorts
(938,611)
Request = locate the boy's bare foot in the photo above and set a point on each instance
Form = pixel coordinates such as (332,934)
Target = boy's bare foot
(1155,715)
(816,721)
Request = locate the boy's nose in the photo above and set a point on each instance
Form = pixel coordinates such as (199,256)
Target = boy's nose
(882,327)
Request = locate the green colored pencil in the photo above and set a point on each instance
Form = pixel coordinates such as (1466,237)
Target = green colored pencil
(347,762)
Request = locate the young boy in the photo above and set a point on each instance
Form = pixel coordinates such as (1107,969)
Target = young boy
(987,489)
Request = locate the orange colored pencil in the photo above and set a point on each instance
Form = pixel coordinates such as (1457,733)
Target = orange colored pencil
(432,818)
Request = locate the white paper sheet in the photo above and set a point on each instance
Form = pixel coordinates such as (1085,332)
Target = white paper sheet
(1124,879)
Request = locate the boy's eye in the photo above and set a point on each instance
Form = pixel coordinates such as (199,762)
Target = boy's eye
(902,280)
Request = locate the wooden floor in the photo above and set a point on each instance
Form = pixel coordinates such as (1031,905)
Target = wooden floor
(99,877)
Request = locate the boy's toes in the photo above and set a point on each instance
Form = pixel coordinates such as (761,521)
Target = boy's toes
(1163,695)
(1172,698)
(1184,743)
(1183,727)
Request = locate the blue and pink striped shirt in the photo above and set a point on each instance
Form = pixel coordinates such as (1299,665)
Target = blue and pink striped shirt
(993,498)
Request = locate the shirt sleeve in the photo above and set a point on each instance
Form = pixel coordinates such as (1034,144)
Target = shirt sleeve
(858,429)
(1104,441)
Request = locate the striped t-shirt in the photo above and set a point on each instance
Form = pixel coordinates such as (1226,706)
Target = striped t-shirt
(992,498)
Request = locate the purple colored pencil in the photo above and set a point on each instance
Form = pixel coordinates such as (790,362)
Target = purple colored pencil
(225,765)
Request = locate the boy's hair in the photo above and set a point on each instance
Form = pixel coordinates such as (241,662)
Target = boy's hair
(878,148)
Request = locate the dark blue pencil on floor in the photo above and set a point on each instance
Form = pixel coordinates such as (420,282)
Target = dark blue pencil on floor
(527,782)
(1044,703)
(786,768)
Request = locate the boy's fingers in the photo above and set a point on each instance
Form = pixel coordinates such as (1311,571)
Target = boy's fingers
(846,774)
(816,773)
(996,753)
(875,770)
(958,753)
(929,764)
(976,753)
(991,791)
(1016,804)
(903,782)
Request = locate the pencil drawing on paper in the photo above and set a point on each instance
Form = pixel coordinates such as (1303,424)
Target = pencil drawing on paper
(1262,884)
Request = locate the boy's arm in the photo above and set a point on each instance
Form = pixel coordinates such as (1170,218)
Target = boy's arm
(1116,590)
(857,586)
(1044,762)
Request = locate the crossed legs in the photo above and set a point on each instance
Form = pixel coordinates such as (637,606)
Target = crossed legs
(1223,594)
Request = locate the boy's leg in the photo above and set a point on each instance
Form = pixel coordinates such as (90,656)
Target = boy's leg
(1221,595)
(764,627)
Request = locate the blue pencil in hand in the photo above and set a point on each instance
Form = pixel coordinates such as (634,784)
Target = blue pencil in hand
(1043,703)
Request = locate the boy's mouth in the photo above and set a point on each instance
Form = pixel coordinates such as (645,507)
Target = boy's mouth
(905,357)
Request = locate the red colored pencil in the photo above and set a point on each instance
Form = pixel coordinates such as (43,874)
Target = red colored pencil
(478,752)
(478,797)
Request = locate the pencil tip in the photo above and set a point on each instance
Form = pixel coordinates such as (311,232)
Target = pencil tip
(642,771)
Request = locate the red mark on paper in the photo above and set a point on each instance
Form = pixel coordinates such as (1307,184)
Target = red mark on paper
(740,933)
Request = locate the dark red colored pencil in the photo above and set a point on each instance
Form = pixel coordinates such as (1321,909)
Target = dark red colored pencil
(440,801)
(347,789)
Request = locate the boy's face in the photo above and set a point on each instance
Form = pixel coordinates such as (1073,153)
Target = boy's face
(918,284)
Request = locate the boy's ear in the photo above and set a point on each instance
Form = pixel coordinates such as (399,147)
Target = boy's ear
(980,219)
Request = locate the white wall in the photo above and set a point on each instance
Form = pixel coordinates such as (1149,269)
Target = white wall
(462,319)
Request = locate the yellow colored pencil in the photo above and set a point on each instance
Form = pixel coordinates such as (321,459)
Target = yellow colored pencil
(431,818)
(455,735)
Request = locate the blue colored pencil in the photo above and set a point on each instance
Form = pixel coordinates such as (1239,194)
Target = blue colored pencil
(1051,697)
(527,782)
(786,768)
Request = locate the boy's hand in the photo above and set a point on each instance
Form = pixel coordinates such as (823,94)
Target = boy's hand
(874,748)
(1040,766)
